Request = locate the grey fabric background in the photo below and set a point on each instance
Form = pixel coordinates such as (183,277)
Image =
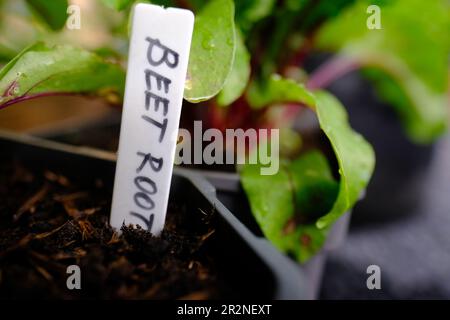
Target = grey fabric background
(413,251)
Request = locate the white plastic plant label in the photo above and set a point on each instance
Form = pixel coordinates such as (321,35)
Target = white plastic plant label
(157,66)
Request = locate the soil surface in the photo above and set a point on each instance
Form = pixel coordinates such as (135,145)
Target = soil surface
(48,222)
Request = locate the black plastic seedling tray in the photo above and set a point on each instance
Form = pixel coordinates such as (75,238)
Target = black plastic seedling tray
(249,264)
(230,193)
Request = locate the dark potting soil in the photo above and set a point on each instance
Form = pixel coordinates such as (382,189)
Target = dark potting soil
(49,222)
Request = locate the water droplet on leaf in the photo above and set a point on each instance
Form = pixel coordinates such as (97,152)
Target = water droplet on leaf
(208,43)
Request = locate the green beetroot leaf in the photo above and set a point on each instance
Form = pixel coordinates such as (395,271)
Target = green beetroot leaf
(285,208)
(278,89)
(53,13)
(212,50)
(40,70)
(239,75)
(6,53)
(274,206)
(355,156)
(408,57)
(314,185)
